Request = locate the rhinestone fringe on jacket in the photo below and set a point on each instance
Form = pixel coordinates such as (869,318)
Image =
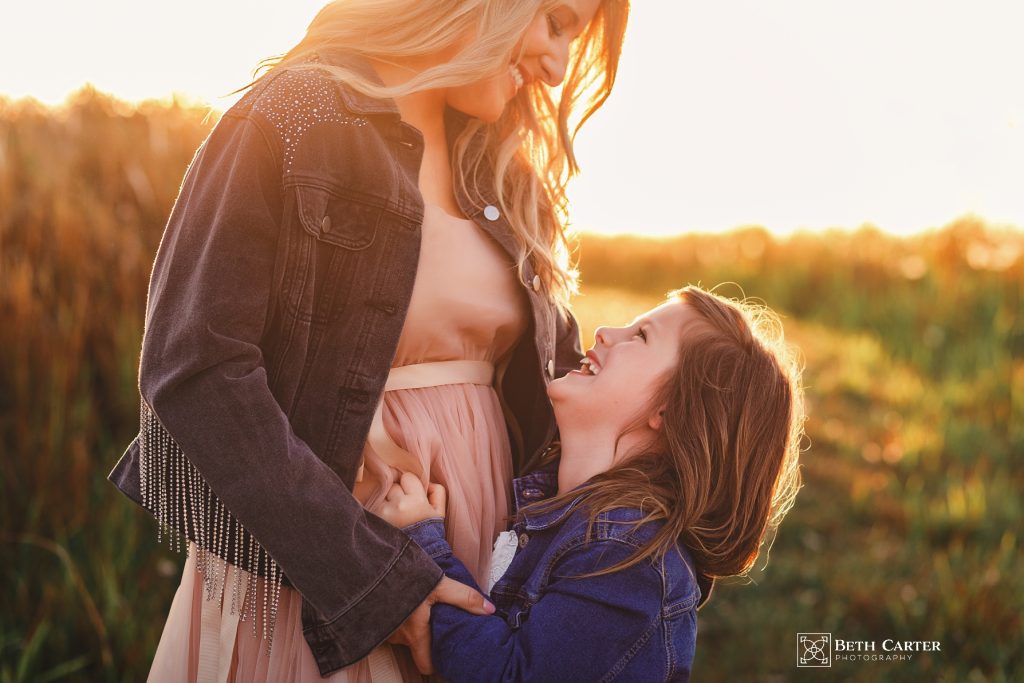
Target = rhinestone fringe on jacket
(184,505)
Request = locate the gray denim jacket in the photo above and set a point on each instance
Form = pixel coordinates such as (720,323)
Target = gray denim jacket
(276,300)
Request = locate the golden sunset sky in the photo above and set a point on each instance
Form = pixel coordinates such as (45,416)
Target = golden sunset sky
(791,114)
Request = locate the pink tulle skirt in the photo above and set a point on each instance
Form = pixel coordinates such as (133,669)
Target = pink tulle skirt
(458,433)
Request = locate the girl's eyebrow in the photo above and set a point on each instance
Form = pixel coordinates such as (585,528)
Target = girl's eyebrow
(649,322)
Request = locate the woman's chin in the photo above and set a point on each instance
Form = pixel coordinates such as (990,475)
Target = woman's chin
(488,114)
(488,107)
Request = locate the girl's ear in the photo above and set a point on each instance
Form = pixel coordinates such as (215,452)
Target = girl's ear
(655,421)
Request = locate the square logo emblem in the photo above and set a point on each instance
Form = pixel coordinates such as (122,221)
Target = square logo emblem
(813,649)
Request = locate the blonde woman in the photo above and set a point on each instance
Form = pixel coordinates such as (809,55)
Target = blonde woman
(364,274)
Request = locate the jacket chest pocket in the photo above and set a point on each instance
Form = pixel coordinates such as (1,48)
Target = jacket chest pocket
(335,220)
(332,239)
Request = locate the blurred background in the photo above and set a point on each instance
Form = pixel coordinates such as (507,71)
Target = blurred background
(858,169)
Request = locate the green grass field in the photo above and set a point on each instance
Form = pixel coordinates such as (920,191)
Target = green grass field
(907,527)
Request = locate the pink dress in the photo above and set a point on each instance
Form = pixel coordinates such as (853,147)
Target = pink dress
(466,306)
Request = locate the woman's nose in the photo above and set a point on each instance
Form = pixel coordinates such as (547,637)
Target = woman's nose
(553,64)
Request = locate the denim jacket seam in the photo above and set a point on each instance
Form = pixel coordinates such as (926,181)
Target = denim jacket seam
(680,607)
(442,550)
(631,653)
(553,518)
(563,549)
(608,530)
(429,521)
(272,137)
(566,323)
(669,650)
(259,123)
(685,604)
(672,609)
(577,540)
(348,608)
(437,547)
(574,542)
(274,152)
(692,597)
(343,92)
(375,200)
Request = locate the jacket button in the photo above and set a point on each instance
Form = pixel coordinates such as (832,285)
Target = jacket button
(491,212)
(536,283)
(532,493)
(325,224)
(551,369)
(523,540)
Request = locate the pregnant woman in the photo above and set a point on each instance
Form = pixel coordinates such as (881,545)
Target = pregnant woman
(362,275)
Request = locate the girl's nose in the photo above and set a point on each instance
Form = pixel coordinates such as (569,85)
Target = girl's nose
(609,336)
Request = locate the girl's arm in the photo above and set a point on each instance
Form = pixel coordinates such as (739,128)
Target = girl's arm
(579,628)
(575,629)
(420,513)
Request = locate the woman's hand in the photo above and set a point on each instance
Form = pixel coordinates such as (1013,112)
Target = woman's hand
(415,631)
(407,502)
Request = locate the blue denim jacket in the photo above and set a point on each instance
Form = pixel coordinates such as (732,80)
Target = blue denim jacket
(636,624)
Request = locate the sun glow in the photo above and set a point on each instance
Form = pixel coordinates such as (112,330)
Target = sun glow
(790,115)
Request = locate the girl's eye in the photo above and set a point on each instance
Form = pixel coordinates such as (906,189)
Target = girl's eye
(554,26)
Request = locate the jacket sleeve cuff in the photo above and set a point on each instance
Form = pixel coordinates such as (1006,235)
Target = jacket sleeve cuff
(429,535)
(342,640)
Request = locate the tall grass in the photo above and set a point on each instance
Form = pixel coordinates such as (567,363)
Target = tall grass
(907,527)
(84,193)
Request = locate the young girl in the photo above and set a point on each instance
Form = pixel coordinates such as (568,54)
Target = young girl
(679,445)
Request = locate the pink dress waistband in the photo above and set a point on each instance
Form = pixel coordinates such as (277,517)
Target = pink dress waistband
(417,376)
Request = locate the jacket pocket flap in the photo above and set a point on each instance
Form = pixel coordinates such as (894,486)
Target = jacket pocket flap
(337,220)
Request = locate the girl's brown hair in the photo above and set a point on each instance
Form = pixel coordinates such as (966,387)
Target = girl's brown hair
(723,471)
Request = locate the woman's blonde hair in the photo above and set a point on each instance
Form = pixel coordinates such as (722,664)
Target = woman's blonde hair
(529,150)
(724,469)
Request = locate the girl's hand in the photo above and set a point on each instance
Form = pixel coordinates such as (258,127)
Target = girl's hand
(407,502)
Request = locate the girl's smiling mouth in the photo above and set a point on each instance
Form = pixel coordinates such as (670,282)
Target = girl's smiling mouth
(589,365)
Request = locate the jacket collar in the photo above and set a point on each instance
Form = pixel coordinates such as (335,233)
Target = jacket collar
(454,120)
(536,486)
(354,100)
(361,103)
(477,208)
